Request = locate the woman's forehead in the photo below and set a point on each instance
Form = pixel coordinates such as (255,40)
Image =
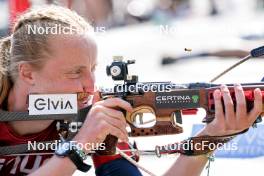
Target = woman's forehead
(73,50)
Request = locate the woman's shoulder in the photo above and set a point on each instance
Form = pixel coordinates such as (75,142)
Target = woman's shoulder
(9,137)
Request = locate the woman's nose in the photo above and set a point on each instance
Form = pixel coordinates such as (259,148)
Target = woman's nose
(88,82)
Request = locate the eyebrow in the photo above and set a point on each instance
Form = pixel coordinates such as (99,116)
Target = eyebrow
(69,69)
(79,67)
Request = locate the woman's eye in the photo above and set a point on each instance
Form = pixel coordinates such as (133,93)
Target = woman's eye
(77,72)
(74,74)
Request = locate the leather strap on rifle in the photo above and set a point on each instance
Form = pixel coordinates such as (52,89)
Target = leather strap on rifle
(24,148)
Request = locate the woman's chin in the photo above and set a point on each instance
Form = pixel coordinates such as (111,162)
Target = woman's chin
(82,105)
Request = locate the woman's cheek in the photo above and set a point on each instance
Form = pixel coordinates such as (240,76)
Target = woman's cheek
(59,86)
(73,86)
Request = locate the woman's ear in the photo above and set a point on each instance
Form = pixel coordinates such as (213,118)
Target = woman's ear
(26,73)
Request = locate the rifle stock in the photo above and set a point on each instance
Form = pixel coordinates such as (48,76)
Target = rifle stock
(168,107)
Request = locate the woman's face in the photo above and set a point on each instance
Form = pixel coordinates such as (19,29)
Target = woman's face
(70,68)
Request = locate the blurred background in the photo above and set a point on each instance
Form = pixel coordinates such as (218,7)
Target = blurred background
(174,40)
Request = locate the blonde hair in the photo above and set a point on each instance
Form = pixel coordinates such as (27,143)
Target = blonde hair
(23,46)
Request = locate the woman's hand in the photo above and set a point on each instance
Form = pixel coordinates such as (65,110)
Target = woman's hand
(232,122)
(102,120)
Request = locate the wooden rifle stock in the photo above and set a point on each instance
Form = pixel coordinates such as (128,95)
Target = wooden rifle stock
(168,108)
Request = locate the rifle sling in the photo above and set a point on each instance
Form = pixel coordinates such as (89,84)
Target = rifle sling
(6,116)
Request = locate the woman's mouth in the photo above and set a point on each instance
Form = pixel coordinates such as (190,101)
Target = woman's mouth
(84,99)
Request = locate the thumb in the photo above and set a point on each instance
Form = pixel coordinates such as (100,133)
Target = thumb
(96,97)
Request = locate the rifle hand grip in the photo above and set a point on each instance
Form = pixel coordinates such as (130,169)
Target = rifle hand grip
(110,146)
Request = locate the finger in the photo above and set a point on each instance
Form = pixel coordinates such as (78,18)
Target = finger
(96,97)
(257,109)
(219,113)
(112,126)
(115,131)
(116,123)
(116,102)
(241,109)
(118,133)
(229,106)
(113,113)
